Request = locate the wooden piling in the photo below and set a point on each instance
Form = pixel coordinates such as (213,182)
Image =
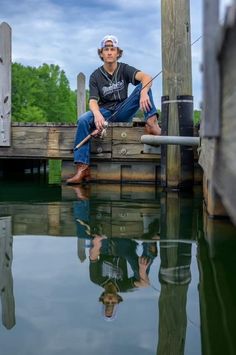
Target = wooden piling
(5,84)
(177,80)
(81,94)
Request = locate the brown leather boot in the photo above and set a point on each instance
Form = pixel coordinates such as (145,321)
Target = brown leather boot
(82,174)
(82,192)
(152,126)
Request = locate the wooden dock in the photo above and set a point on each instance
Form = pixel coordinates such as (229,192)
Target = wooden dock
(218,126)
(123,157)
(120,151)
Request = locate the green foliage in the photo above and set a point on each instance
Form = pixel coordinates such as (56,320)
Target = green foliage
(42,95)
(196,117)
(26,114)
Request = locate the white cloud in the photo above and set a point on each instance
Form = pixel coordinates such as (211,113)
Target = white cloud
(68,34)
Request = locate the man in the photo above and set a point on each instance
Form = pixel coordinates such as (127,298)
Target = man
(109,102)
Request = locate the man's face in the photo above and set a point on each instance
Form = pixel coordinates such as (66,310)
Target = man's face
(110,300)
(109,53)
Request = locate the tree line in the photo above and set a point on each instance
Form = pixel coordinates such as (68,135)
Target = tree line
(43,94)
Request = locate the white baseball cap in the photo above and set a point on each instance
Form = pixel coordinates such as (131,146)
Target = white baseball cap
(111,38)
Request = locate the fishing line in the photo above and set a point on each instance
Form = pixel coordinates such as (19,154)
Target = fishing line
(127,101)
(123,104)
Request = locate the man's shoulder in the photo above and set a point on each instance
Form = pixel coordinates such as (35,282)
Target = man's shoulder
(127,67)
(96,72)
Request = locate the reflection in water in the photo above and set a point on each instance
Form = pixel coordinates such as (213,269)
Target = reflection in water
(174,277)
(127,240)
(217,289)
(105,224)
(6,280)
(177,216)
(108,268)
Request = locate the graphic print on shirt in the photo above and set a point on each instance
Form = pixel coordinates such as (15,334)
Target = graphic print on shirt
(113,88)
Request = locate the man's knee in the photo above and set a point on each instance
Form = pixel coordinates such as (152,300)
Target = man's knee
(85,118)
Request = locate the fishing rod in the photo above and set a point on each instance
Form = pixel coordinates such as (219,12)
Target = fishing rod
(99,133)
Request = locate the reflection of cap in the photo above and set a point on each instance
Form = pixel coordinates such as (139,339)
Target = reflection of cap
(111,38)
(109,311)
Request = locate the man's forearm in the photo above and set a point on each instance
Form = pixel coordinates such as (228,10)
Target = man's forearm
(145,79)
(93,106)
(146,82)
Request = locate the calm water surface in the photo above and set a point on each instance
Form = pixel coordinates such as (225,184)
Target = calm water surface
(170,267)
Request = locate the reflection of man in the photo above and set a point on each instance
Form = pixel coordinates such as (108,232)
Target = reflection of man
(109,269)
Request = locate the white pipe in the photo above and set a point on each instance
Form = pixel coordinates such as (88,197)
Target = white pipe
(157,140)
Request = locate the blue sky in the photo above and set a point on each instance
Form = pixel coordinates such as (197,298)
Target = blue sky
(69,32)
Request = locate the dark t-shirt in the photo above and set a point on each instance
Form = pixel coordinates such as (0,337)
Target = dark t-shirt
(109,90)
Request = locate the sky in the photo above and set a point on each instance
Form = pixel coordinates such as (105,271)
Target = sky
(68,33)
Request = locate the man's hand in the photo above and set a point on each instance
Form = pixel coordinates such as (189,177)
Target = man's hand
(99,121)
(145,104)
(97,240)
(94,251)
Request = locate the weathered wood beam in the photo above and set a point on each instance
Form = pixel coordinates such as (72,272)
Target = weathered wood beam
(81,94)
(210,124)
(177,81)
(5,84)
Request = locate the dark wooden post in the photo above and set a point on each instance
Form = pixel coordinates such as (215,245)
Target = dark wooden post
(177,101)
(5,84)
(210,124)
(81,94)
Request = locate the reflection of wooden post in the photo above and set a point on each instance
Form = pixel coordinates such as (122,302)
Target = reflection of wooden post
(172,319)
(174,274)
(81,108)
(6,280)
(81,250)
(5,84)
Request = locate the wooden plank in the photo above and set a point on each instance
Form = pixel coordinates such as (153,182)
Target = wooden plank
(210,124)
(131,171)
(126,144)
(206,157)
(101,147)
(38,141)
(5,84)
(6,280)
(212,199)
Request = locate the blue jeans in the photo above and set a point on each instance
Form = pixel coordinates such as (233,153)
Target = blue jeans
(124,112)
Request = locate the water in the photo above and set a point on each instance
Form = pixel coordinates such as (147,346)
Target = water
(173,269)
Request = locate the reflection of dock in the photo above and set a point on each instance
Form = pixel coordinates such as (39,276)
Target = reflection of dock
(116,211)
(217,292)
